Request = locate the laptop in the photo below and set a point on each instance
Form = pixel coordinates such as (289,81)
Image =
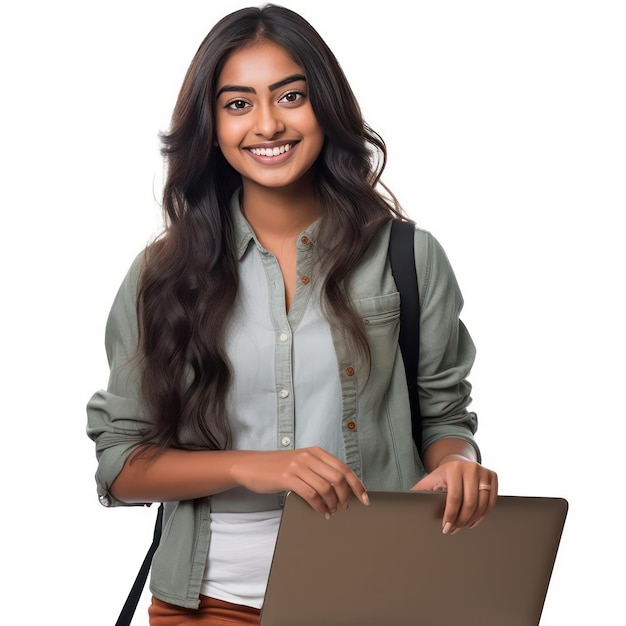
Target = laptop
(390,565)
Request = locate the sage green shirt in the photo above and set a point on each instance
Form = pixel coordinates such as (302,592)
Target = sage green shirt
(374,418)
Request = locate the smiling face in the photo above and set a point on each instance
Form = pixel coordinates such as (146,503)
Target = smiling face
(266,128)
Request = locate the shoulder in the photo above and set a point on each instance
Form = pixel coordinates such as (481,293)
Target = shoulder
(435,276)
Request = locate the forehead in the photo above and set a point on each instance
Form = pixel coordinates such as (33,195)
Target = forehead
(259,64)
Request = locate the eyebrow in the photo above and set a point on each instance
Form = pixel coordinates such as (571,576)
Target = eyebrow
(281,83)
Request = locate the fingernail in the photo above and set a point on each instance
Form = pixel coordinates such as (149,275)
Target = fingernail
(455,531)
(447,527)
(327,515)
(475,524)
(365,499)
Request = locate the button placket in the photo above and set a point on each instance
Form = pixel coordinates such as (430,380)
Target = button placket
(305,278)
(284,377)
(286,325)
(283,374)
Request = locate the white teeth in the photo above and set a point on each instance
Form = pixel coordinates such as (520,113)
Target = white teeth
(271,151)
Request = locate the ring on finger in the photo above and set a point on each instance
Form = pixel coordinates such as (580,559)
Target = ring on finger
(484,487)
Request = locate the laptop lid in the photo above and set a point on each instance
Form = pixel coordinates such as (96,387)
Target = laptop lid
(389,563)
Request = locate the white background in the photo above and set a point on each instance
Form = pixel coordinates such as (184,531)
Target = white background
(507,139)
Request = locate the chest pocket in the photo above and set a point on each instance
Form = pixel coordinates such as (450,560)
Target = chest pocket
(379,311)
(381,316)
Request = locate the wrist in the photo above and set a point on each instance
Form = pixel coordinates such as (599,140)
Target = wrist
(453,457)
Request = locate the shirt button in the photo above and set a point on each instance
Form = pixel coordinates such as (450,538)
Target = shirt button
(283,337)
(304,240)
(283,393)
(350,370)
(104,500)
(305,280)
(285,441)
(351,426)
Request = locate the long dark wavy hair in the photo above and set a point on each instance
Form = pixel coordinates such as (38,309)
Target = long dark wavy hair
(189,282)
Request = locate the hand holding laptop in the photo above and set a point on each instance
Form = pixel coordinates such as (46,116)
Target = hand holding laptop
(327,483)
(471,489)
(471,492)
(317,476)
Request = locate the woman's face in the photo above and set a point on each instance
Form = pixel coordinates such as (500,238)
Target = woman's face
(265,124)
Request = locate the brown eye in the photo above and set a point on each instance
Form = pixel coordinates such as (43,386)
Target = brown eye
(238,105)
(292,97)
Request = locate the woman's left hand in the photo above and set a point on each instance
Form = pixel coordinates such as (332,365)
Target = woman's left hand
(471,491)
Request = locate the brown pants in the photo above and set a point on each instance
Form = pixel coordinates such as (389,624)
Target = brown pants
(212,612)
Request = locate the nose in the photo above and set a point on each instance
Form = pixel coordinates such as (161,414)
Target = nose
(268,122)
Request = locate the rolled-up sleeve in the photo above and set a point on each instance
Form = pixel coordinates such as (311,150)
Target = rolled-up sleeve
(116,416)
(447,351)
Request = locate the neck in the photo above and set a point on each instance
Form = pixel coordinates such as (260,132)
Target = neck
(279,212)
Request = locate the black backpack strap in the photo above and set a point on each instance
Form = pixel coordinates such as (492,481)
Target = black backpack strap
(402,259)
(128,610)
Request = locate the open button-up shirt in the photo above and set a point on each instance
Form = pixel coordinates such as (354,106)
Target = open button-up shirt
(367,417)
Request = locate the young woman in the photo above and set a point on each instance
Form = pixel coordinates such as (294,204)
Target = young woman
(253,346)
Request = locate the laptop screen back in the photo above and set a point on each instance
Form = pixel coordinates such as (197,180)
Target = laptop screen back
(389,563)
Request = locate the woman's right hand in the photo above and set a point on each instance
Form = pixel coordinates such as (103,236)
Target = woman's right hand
(318,477)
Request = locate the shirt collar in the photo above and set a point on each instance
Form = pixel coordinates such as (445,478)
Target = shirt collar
(242,230)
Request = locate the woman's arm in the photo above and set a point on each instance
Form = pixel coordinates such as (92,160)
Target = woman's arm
(450,454)
(321,479)
(445,450)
